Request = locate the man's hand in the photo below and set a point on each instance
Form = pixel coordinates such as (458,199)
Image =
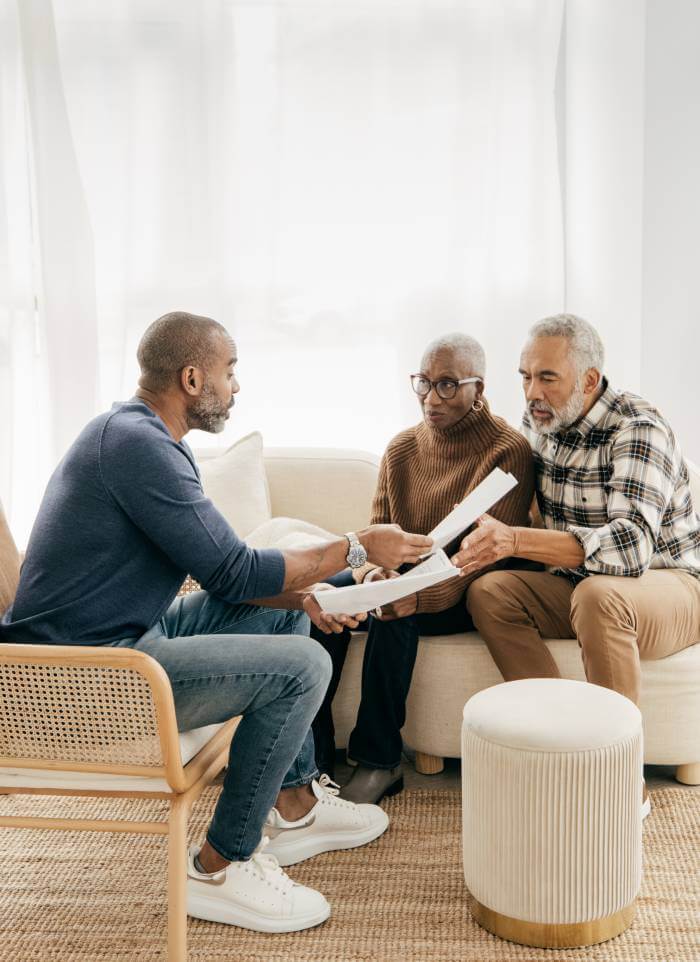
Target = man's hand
(390,547)
(491,542)
(327,623)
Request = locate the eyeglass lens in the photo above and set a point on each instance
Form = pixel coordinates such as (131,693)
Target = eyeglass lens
(445,389)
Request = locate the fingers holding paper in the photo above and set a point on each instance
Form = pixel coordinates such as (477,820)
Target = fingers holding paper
(389,547)
(379,574)
(490,542)
(399,609)
(325,621)
(396,609)
(383,591)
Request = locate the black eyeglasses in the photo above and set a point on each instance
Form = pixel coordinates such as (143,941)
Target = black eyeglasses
(446,387)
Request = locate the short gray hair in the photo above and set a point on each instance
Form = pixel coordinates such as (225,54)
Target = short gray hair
(463,345)
(174,341)
(586,345)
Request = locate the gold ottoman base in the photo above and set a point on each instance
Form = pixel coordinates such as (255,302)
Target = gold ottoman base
(545,935)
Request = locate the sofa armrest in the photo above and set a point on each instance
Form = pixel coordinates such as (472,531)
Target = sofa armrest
(330,487)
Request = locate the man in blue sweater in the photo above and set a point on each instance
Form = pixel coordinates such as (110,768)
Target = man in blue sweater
(123,520)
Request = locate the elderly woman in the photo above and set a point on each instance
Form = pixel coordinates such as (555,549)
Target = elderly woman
(425,470)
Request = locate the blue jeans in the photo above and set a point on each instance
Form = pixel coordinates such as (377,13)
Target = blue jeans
(225,660)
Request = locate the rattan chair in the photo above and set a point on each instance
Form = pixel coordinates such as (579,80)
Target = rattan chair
(86,721)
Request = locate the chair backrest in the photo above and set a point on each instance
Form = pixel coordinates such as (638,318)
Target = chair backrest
(9,564)
(86,709)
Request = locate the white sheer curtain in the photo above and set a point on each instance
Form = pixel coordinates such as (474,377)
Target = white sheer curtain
(337,181)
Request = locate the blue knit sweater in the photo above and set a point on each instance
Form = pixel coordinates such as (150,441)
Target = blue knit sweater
(123,520)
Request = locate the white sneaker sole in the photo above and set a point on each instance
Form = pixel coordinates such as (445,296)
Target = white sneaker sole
(289,851)
(215,910)
(646,807)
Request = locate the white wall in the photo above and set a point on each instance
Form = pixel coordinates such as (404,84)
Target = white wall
(632,189)
(671,265)
(603,181)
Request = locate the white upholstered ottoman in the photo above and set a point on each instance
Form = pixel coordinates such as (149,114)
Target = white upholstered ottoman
(551,803)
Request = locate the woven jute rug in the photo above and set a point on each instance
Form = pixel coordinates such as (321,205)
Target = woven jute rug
(70,896)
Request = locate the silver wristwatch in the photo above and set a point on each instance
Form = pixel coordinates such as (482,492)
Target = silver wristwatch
(357,556)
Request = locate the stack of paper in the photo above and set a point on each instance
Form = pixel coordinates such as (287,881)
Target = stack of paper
(367,597)
(437,568)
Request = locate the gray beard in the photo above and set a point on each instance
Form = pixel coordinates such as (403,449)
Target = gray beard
(206,413)
(565,416)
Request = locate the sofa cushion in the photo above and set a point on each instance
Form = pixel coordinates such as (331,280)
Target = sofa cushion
(191,742)
(451,668)
(237,484)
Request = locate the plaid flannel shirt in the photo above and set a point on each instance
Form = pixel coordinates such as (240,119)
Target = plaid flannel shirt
(617,481)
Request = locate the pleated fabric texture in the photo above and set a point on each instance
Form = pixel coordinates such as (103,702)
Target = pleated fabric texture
(552,836)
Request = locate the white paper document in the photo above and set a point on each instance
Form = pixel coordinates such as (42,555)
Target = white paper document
(437,567)
(483,497)
(367,597)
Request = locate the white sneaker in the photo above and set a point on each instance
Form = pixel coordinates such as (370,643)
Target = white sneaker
(332,824)
(255,894)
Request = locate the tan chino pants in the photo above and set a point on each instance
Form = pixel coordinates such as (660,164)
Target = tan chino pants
(617,621)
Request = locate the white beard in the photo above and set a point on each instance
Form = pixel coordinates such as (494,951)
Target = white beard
(562,418)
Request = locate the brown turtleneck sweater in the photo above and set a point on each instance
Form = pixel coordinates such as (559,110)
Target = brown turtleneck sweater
(425,472)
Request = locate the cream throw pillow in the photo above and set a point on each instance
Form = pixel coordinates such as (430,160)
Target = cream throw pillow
(287,533)
(237,484)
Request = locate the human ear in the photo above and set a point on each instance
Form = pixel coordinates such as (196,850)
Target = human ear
(189,380)
(592,379)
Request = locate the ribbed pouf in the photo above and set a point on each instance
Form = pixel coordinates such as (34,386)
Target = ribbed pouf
(551,802)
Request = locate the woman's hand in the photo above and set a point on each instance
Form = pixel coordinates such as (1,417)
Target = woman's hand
(397,609)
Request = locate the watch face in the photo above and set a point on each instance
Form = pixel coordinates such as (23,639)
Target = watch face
(357,556)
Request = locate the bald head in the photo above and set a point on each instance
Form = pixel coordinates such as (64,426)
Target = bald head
(175,341)
(464,350)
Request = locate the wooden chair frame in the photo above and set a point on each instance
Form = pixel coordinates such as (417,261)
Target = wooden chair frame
(185,783)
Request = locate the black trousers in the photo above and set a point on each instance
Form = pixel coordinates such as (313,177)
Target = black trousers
(390,655)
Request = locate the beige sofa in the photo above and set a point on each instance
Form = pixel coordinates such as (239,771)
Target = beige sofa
(333,489)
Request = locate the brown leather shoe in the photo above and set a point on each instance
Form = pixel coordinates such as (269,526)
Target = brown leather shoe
(372,784)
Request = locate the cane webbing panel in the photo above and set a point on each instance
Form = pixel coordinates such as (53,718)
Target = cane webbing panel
(75,713)
(188,586)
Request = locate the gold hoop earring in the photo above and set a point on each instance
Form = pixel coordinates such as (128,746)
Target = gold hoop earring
(478,405)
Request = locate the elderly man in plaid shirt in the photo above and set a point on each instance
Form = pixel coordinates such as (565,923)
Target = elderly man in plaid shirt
(621,542)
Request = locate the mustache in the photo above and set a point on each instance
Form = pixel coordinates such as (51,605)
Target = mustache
(540,406)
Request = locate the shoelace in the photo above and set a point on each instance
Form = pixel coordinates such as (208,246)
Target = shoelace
(332,790)
(268,867)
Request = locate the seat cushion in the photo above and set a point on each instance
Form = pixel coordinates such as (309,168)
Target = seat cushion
(551,715)
(451,668)
(191,742)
